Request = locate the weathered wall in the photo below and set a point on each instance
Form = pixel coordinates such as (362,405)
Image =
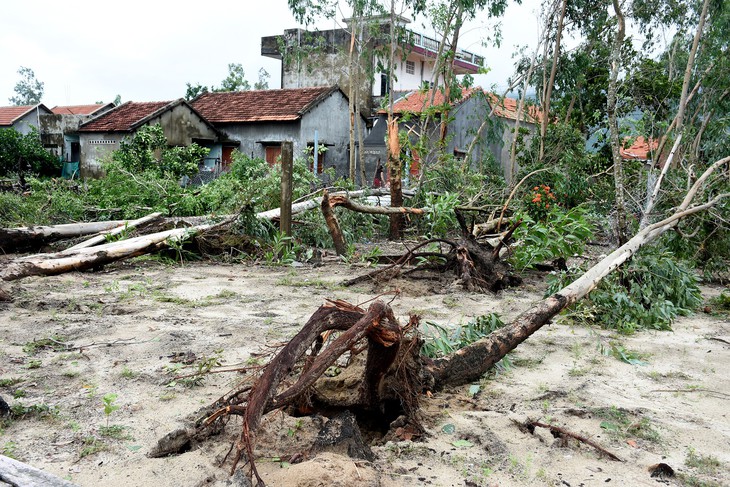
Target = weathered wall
(94,148)
(26,122)
(181,125)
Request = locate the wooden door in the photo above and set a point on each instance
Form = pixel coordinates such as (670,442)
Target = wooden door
(273,154)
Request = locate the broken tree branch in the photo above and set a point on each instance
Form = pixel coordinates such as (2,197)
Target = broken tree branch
(559,432)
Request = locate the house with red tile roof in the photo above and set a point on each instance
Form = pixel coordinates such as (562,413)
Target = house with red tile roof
(465,117)
(638,149)
(260,120)
(23,118)
(181,123)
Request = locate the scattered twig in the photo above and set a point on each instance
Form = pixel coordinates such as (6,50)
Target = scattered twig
(557,431)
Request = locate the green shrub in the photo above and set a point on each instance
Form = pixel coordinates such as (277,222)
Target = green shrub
(561,234)
(649,292)
(21,153)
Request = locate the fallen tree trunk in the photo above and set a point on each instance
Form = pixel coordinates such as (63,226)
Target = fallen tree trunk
(88,258)
(13,239)
(344,201)
(116,231)
(471,362)
(15,473)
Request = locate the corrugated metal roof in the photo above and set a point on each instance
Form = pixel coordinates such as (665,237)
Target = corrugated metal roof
(259,105)
(124,117)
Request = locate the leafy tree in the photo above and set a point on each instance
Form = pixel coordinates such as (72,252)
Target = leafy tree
(263,82)
(148,151)
(236,79)
(29,90)
(194,91)
(20,153)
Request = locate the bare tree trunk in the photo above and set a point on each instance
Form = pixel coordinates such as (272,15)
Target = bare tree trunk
(551,80)
(394,161)
(395,169)
(690,65)
(449,74)
(618,174)
(110,233)
(351,101)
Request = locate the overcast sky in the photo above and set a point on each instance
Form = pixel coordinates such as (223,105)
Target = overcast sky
(146,50)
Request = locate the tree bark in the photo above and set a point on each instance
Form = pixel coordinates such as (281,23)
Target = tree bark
(618,172)
(15,473)
(14,239)
(551,80)
(333,225)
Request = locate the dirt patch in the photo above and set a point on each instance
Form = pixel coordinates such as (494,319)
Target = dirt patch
(140,324)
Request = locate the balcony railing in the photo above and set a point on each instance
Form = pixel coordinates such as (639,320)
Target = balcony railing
(430,44)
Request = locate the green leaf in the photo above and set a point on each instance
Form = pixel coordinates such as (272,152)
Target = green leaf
(609,426)
(448,428)
(474,390)
(462,443)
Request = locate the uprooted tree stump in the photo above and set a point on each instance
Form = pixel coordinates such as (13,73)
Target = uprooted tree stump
(477,266)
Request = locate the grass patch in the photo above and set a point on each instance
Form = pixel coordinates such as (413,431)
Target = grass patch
(115,431)
(621,423)
(92,445)
(10,381)
(703,463)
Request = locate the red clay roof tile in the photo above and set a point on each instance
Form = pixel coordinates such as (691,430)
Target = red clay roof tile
(418,101)
(8,115)
(123,117)
(259,105)
(77,109)
(639,149)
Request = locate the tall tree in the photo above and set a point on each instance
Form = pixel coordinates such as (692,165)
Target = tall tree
(236,79)
(618,175)
(29,90)
(194,91)
(263,82)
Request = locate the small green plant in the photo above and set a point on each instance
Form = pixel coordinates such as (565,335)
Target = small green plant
(115,431)
(10,381)
(40,411)
(109,406)
(128,373)
(92,445)
(54,342)
(34,364)
(704,463)
(618,351)
(283,250)
(9,449)
(445,341)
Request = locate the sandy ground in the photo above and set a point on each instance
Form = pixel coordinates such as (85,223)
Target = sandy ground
(136,319)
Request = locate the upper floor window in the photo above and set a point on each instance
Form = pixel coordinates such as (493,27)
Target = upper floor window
(410,67)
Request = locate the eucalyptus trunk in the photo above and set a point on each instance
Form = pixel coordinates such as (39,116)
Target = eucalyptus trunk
(551,81)
(618,173)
